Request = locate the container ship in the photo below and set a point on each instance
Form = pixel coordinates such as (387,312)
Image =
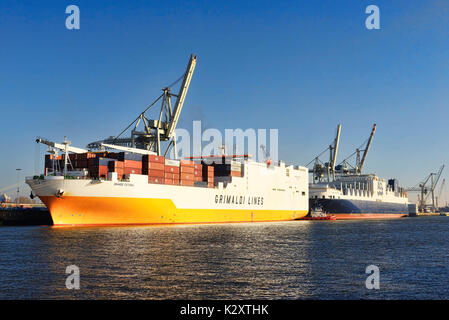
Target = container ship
(344,192)
(136,184)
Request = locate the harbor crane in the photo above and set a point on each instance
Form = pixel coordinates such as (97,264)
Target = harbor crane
(427,188)
(330,170)
(438,198)
(154,131)
(320,170)
(343,166)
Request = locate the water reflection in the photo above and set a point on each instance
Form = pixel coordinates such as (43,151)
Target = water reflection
(292,260)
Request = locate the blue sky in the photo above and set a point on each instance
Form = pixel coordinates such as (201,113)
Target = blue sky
(299,66)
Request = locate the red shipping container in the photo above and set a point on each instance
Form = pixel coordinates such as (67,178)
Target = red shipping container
(186,182)
(172,169)
(210,184)
(156,180)
(186,176)
(154,165)
(132,171)
(198,166)
(236,174)
(198,173)
(153,158)
(200,178)
(172,182)
(133,164)
(190,170)
(187,163)
(156,173)
(173,176)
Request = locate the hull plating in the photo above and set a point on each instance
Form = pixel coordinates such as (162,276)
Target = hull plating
(360,209)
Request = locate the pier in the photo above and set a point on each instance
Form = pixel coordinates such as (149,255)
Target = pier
(25,215)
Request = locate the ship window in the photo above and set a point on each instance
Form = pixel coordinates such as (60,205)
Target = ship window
(324,197)
(303,193)
(316,197)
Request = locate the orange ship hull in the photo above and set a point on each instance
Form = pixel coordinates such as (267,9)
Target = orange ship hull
(71,210)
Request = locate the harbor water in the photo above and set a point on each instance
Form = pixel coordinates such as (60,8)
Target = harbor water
(285,260)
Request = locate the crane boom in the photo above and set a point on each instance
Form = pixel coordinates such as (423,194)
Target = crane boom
(182,95)
(441,188)
(61,146)
(438,175)
(132,150)
(336,143)
(368,144)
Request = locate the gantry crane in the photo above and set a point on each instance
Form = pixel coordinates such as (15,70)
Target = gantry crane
(428,184)
(154,131)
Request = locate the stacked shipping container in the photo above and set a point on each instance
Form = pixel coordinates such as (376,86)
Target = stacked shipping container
(172,172)
(154,167)
(187,173)
(208,175)
(157,168)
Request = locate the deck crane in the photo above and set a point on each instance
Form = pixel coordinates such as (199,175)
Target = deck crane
(327,169)
(428,184)
(65,147)
(155,131)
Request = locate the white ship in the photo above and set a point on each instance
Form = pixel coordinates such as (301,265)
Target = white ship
(262,193)
(345,192)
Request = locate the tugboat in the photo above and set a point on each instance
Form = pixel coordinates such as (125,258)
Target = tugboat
(317,213)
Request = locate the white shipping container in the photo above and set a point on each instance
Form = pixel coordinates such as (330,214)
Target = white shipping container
(173,163)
